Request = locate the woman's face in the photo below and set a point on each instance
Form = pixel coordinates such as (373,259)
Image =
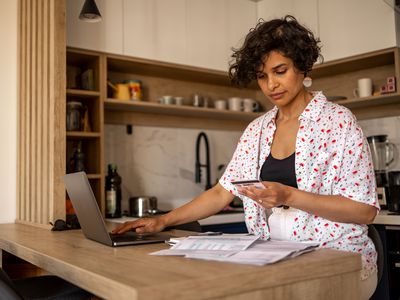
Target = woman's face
(279,80)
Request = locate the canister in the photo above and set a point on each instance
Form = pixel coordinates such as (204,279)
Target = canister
(135,88)
(74,116)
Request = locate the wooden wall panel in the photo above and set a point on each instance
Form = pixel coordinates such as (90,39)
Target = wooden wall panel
(41,119)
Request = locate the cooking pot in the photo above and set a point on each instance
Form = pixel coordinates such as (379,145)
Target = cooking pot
(142,206)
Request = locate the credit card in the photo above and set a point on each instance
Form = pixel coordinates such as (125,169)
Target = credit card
(248,183)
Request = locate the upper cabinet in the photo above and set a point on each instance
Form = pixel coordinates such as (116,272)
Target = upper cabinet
(105,36)
(155,29)
(354,27)
(305,11)
(346,28)
(214,27)
(202,33)
(189,32)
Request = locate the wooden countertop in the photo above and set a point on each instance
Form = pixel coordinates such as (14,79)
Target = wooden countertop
(130,273)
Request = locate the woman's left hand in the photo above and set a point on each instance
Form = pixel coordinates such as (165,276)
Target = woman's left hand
(275,194)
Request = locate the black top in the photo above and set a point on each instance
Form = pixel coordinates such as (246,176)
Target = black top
(279,170)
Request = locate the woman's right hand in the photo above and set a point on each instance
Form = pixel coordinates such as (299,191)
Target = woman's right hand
(143,225)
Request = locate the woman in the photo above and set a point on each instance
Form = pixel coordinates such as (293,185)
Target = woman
(315,162)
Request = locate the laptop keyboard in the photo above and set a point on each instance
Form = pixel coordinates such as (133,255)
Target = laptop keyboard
(129,236)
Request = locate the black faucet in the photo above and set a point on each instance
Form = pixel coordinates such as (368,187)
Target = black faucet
(198,164)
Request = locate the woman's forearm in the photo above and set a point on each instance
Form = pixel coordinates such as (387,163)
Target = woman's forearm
(206,204)
(332,207)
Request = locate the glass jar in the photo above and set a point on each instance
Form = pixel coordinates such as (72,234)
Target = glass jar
(74,116)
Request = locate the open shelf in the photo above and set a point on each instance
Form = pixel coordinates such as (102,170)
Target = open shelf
(94,176)
(83,135)
(339,78)
(355,63)
(188,111)
(119,63)
(371,101)
(85,72)
(83,93)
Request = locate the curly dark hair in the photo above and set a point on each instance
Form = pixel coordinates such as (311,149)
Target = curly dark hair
(284,35)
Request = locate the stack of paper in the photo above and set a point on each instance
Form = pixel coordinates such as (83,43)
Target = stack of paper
(243,249)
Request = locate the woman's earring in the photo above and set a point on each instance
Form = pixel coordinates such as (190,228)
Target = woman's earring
(307,81)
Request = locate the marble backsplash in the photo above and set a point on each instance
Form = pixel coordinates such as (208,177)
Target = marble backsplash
(158,161)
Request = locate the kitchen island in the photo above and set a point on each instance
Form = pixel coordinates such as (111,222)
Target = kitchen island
(131,273)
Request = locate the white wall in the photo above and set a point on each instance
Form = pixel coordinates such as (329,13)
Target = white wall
(8,111)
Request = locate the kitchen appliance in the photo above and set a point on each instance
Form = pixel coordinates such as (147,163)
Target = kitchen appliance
(393,201)
(143,206)
(382,152)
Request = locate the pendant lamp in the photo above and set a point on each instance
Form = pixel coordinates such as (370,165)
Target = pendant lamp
(90,12)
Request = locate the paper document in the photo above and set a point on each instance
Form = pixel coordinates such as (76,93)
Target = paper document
(262,252)
(228,242)
(237,248)
(221,245)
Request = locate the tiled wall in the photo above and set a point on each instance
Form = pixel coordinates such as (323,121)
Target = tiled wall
(160,162)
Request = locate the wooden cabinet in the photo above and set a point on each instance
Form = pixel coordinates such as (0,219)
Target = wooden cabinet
(84,86)
(106,36)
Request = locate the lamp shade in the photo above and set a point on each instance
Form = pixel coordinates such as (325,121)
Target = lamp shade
(90,12)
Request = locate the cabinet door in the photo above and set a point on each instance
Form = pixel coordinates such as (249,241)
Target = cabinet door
(214,27)
(305,11)
(207,34)
(353,27)
(103,36)
(242,16)
(155,29)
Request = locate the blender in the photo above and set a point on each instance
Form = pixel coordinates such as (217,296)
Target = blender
(382,152)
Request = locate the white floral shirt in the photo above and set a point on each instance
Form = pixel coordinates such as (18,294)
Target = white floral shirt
(332,158)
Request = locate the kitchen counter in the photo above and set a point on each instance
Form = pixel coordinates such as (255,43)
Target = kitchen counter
(131,273)
(387,218)
(384,217)
(222,218)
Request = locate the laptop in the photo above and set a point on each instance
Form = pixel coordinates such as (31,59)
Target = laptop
(91,219)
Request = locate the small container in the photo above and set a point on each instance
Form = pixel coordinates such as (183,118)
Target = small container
(135,89)
(197,100)
(74,116)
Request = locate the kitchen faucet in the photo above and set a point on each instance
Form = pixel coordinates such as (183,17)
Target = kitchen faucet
(198,164)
